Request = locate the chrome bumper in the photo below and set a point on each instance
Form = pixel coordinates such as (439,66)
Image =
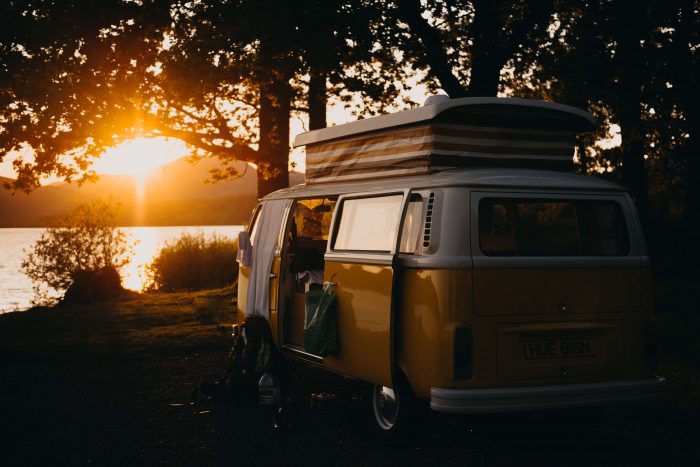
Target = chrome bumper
(545,397)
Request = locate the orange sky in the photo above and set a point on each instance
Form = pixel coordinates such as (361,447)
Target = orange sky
(138,156)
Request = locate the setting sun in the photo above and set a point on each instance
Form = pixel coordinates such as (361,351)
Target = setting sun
(139,156)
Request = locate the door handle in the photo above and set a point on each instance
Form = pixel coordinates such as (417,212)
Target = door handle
(329,282)
(272,275)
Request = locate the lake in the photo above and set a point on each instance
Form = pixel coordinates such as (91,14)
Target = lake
(16,290)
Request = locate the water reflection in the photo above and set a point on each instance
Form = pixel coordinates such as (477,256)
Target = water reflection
(147,246)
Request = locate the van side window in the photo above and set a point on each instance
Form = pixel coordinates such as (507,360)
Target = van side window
(537,227)
(308,233)
(312,218)
(412,224)
(368,224)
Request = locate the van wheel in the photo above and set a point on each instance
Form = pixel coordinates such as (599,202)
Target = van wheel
(394,412)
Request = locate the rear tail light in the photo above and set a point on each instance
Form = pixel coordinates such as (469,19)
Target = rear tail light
(463,353)
(651,344)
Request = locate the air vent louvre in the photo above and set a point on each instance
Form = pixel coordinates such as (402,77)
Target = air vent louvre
(428,221)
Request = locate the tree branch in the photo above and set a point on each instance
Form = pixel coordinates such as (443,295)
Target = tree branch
(194,116)
(221,122)
(410,12)
(494,40)
(239,149)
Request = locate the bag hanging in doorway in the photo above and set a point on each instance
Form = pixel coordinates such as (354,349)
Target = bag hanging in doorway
(320,323)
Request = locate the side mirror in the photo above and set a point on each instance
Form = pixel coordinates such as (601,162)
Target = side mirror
(245,249)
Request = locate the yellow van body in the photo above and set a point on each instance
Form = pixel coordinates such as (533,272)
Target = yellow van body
(401,311)
(454,305)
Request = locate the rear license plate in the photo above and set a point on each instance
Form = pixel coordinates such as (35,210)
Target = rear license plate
(536,349)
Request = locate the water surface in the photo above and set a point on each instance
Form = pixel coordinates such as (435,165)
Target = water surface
(16,290)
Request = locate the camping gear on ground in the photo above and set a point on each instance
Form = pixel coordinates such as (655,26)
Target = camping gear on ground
(250,356)
(320,324)
(280,412)
(269,393)
(257,372)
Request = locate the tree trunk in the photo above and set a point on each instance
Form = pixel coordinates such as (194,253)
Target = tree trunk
(486,50)
(275,112)
(633,167)
(273,168)
(495,39)
(485,74)
(317,99)
(692,201)
(582,157)
(691,153)
(687,80)
(630,26)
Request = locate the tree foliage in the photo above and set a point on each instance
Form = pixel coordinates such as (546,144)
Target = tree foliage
(71,81)
(86,240)
(236,71)
(634,64)
(464,44)
(223,76)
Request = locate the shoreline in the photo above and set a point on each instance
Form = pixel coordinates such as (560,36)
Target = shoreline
(14,243)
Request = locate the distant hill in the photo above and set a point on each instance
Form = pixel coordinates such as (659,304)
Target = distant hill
(44,204)
(174,194)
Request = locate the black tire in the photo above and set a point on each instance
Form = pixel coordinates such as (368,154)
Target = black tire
(394,413)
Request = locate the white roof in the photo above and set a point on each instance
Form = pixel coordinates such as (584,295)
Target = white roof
(506,178)
(570,117)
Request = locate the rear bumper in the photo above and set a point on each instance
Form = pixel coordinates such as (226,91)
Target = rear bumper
(545,397)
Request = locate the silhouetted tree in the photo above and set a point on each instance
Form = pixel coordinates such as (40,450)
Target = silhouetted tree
(684,50)
(634,64)
(71,80)
(221,76)
(466,44)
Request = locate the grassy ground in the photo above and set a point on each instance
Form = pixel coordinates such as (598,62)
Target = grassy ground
(105,384)
(112,385)
(141,327)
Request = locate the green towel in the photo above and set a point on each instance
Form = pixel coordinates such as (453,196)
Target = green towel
(320,323)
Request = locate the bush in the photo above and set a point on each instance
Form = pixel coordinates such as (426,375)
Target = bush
(94,286)
(85,246)
(193,262)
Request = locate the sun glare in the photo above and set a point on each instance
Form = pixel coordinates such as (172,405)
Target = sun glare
(139,156)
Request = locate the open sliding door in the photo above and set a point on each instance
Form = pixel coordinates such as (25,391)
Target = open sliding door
(359,263)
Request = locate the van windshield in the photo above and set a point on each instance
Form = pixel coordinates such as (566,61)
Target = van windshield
(539,227)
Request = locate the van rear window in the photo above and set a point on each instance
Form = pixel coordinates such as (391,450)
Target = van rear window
(538,227)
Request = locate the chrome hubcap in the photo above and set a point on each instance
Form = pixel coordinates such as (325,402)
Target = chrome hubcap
(385,405)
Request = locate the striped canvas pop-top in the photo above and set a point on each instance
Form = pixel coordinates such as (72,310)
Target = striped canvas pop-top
(451,133)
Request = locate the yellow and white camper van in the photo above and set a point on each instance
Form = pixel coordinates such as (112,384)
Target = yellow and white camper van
(471,267)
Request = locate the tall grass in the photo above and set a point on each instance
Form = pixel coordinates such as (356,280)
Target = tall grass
(193,262)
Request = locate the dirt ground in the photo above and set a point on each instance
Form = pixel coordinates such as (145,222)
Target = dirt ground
(113,386)
(130,413)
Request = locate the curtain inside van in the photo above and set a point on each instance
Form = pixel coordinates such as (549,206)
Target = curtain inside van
(269,223)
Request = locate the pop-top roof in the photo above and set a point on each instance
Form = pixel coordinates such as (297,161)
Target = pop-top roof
(449,133)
